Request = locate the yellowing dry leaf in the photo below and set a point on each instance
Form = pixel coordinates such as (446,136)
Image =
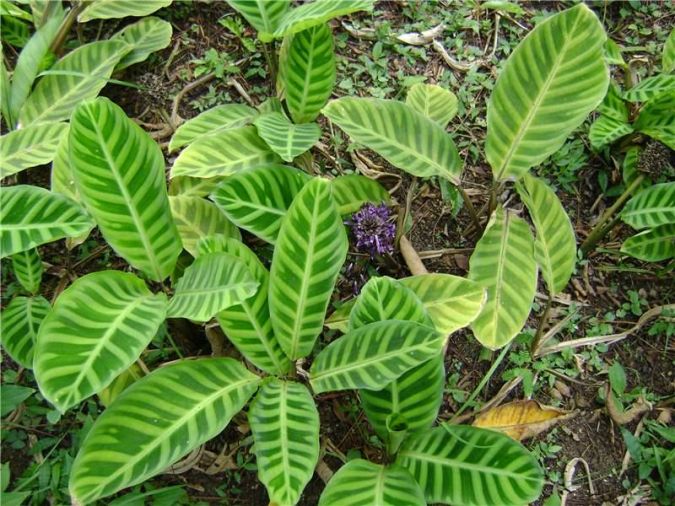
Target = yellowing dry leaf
(521,419)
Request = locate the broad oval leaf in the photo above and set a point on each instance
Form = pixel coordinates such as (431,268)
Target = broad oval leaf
(657,119)
(433,101)
(62,179)
(651,207)
(605,130)
(613,105)
(187,186)
(98,327)
(30,146)
(310,250)
(316,13)
(652,245)
(258,199)
(215,120)
(353,191)
(468,466)
(213,282)
(552,80)
(196,218)
(114,9)
(20,322)
(32,216)
(362,483)
(403,136)
(650,88)
(521,419)
(264,15)
(285,426)
(555,245)
(503,262)
(76,77)
(223,154)
(144,37)
(307,72)
(27,267)
(374,355)
(285,138)
(145,430)
(119,171)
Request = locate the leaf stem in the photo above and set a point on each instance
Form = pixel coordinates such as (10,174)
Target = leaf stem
(540,328)
(470,207)
(66,24)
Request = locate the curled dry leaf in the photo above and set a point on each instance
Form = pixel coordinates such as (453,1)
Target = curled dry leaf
(421,38)
(521,419)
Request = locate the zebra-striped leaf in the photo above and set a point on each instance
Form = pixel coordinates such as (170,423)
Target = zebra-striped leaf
(144,37)
(373,356)
(77,77)
(605,130)
(652,207)
(213,282)
(630,171)
(362,483)
(613,105)
(555,245)
(403,136)
(652,245)
(503,262)
(551,81)
(339,319)
(310,250)
(307,72)
(286,139)
(264,15)
(668,61)
(28,147)
(32,216)
(216,120)
(62,180)
(27,267)
(317,13)
(114,9)
(657,119)
(196,218)
(119,171)
(156,421)
(20,322)
(248,325)
(353,190)
(187,186)
(469,466)
(435,102)
(650,88)
(257,199)
(223,154)
(452,302)
(285,426)
(98,327)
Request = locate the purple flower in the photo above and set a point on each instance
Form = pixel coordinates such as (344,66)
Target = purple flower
(373,229)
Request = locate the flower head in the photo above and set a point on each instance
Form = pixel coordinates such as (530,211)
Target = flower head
(373,229)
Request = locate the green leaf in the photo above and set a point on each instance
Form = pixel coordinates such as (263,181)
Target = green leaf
(504,263)
(617,378)
(352,191)
(503,5)
(555,245)
(652,245)
(28,147)
(27,267)
(317,13)
(32,216)
(452,302)
(82,74)
(119,171)
(9,9)
(668,60)
(307,72)
(362,483)
(4,90)
(248,325)
(404,137)
(433,101)
(339,319)
(650,88)
(613,105)
(157,421)
(613,53)
(657,119)
(14,32)
(97,328)
(11,396)
(144,37)
(196,218)
(310,250)
(630,171)
(285,426)
(651,208)
(62,180)
(214,281)
(286,139)
(223,154)
(20,322)
(120,384)
(264,15)
(114,9)
(605,130)
(187,186)
(373,356)
(215,120)
(552,80)
(258,199)
(467,466)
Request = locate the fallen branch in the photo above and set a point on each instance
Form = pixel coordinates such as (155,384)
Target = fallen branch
(412,259)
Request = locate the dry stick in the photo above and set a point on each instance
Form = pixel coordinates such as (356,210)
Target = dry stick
(540,328)
(412,259)
(175,118)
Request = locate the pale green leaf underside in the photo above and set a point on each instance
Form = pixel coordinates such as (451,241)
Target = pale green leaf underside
(285,138)
(28,147)
(352,191)
(433,101)
(144,37)
(147,429)
(651,207)
(652,245)
(113,9)
(316,13)
(27,267)
(20,322)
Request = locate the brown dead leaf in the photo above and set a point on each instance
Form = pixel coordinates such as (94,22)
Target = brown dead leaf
(521,419)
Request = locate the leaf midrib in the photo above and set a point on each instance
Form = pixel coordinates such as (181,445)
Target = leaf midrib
(500,272)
